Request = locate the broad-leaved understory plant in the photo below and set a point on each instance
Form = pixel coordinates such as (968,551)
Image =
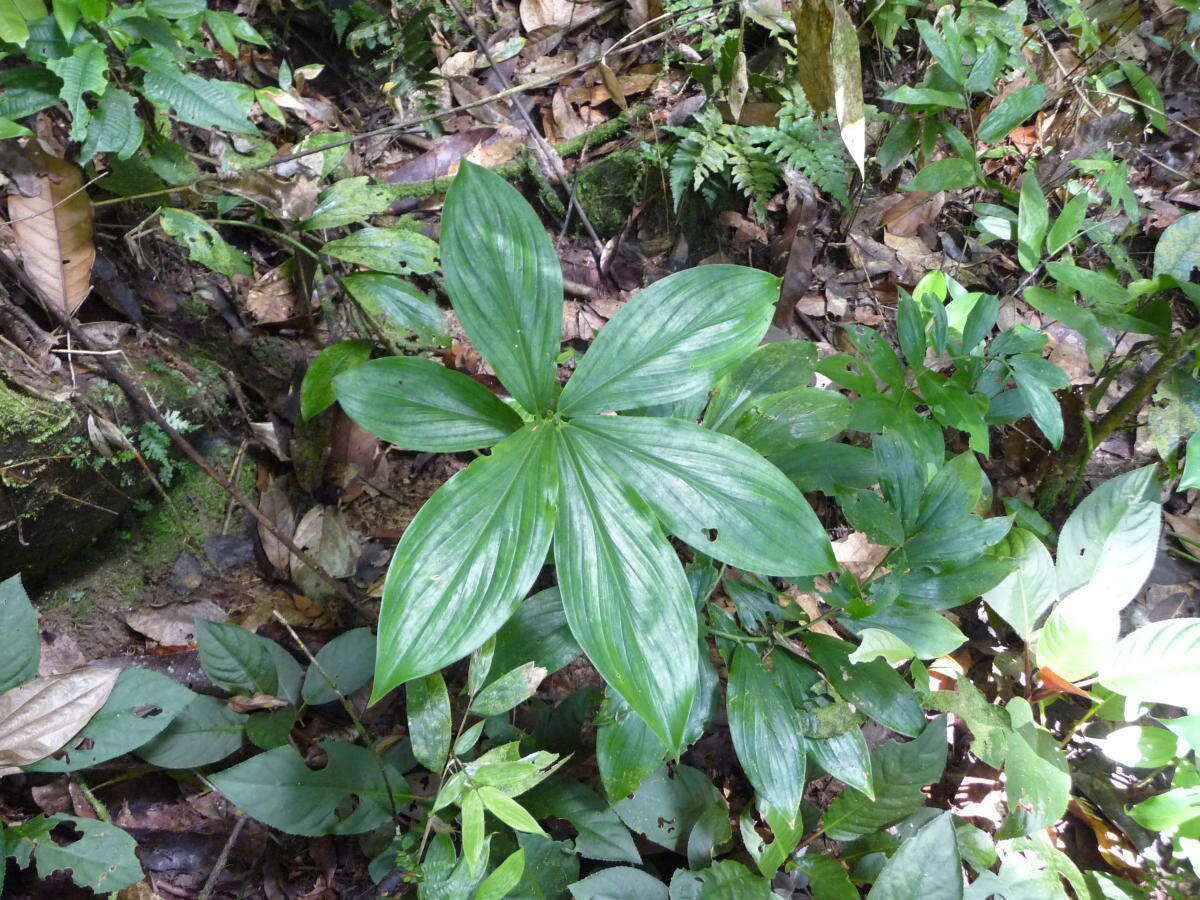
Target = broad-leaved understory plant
(564,471)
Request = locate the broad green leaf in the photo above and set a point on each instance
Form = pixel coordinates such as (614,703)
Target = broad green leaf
(204,244)
(1187,729)
(1111,538)
(316,390)
(1023,597)
(84,71)
(229,28)
(504,281)
(1157,663)
(1011,112)
(205,731)
(627,750)
(1169,810)
(1178,250)
(1033,219)
(1080,633)
(944,175)
(550,866)
(828,880)
(727,878)
(115,127)
(844,756)
(513,687)
(874,687)
(1147,90)
(619,883)
(878,643)
(14,21)
(714,493)
(347,660)
(1140,747)
(508,811)
(899,771)
(236,659)
(927,865)
(19,625)
(421,405)
(203,102)
(920,96)
(270,728)
(27,89)
(667,806)
(778,422)
(472,830)
(398,306)
(176,9)
(429,725)
(766,732)
(601,835)
(1070,220)
(672,338)
(1037,779)
(989,724)
(927,634)
(623,589)
(346,201)
(1037,379)
(538,632)
(399,251)
(141,705)
(280,790)
(947,53)
(785,837)
(503,878)
(467,559)
(102,858)
(774,367)
(1097,288)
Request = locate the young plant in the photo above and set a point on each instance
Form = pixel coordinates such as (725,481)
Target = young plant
(605,489)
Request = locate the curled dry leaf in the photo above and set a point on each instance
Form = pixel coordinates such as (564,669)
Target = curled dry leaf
(40,716)
(272,298)
(53,231)
(275,504)
(174,625)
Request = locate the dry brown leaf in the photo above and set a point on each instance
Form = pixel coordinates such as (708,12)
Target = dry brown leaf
(40,716)
(174,625)
(739,86)
(275,505)
(613,85)
(291,200)
(272,297)
(54,232)
(537,14)
(859,556)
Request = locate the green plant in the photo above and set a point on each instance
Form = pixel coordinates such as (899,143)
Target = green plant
(86,54)
(714,156)
(562,469)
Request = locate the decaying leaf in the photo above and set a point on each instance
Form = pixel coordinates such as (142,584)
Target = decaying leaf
(53,231)
(40,716)
(275,504)
(174,625)
(272,297)
(830,71)
(537,14)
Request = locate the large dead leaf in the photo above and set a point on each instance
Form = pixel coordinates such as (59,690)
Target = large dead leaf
(830,71)
(54,232)
(174,625)
(40,716)
(537,14)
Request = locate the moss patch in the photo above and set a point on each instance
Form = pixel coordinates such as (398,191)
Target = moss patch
(608,189)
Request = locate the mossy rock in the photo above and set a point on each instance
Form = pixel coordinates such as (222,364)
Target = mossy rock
(58,493)
(609,188)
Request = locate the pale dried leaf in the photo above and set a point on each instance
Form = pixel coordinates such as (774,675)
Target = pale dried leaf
(54,232)
(275,505)
(40,716)
(272,297)
(537,14)
(174,625)
(845,69)
(739,86)
(613,85)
